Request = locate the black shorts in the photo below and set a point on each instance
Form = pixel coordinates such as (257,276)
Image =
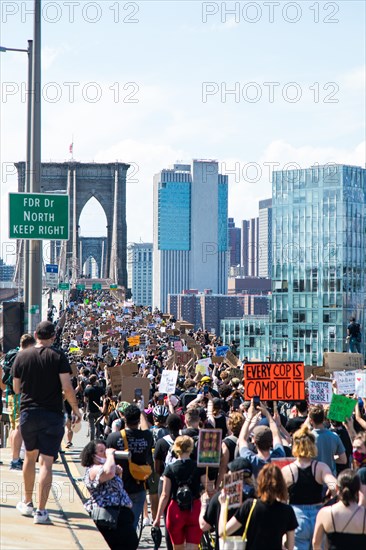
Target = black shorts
(42,430)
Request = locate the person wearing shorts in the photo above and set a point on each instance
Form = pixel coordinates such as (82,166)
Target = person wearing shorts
(182,524)
(40,374)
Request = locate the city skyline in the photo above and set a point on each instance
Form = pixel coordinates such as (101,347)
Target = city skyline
(207,111)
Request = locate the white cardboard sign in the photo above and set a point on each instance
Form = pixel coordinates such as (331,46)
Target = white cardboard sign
(168,381)
(320,392)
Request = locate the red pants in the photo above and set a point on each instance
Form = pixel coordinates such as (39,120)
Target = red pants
(183,525)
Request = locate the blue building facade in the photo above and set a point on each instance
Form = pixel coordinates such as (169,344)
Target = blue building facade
(318,260)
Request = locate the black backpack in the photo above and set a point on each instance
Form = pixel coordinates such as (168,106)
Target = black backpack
(184,496)
(7,378)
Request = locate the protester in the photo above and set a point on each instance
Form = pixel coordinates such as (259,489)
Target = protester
(328,443)
(182,487)
(92,399)
(271,517)
(137,439)
(103,480)
(13,401)
(210,510)
(305,479)
(40,374)
(229,446)
(344,523)
(267,440)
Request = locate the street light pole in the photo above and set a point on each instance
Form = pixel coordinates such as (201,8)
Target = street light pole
(25,248)
(35,246)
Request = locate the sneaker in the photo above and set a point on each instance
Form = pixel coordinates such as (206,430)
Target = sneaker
(25,509)
(16,464)
(146,522)
(42,517)
(68,445)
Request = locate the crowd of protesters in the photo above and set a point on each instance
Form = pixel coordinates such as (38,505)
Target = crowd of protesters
(303,476)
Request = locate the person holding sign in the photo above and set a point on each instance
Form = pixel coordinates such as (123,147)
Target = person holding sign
(267,440)
(271,518)
(182,487)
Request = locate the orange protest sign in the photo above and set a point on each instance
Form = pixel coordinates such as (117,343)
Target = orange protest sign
(134,340)
(278,381)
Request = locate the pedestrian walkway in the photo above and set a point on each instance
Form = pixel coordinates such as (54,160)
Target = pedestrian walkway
(71,526)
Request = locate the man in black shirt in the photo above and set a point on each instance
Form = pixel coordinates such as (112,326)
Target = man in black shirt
(295,423)
(92,394)
(140,443)
(40,374)
(354,336)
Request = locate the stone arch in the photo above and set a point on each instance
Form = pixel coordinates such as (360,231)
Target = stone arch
(82,181)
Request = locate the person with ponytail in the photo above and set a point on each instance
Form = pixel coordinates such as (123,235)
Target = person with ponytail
(344,523)
(305,479)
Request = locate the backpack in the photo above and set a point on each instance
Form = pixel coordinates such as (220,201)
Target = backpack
(7,377)
(171,457)
(184,497)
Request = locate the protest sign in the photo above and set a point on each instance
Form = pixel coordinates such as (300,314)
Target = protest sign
(202,366)
(221,350)
(115,377)
(278,381)
(209,448)
(74,368)
(346,381)
(114,351)
(320,392)
(233,485)
(236,373)
(360,384)
(130,384)
(217,359)
(100,349)
(134,340)
(129,368)
(178,346)
(232,359)
(74,350)
(168,381)
(182,357)
(341,407)
(342,361)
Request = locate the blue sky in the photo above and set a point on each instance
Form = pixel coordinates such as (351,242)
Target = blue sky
(164,60)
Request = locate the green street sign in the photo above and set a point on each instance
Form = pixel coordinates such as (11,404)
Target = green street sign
(80,287)
(64,286)
(38,216)
(97,286)
(113,287)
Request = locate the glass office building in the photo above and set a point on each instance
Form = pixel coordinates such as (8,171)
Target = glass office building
(318,260)
(251,334)
(190,249)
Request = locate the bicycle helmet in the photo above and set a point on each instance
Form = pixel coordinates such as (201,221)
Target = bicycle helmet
(160,411)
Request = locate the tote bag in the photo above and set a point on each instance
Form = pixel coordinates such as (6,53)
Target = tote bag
(236,543)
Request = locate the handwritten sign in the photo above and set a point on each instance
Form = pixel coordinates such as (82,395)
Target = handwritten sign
(341,407)
(182,357)
(221,350)
(87,334)
(360,384)
(134,340)
(278,381)
(346,381)
(232,359)
(209,448)
(168,381)
(342,361)
(233,485)
(178,346)
(320,392)
(202,366)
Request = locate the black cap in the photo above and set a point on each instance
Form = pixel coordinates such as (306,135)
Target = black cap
(156,536)
(45,330)
(239,464)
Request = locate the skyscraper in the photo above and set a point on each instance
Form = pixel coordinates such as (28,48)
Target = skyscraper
(265,238)
(250,246)
(319,260)
(139,272)
(190,230)
(234,243)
